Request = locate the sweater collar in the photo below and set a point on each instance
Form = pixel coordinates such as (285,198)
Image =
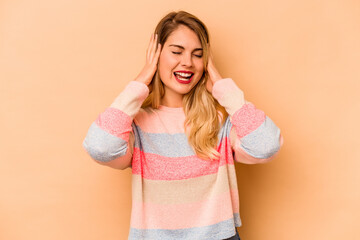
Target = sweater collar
(171,109)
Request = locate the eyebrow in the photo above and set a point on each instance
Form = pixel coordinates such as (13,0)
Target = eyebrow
(179,46)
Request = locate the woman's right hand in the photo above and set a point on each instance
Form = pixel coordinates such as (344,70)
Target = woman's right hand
(152,57)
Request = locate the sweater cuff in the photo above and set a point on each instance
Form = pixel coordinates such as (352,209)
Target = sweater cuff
(228,94)
(131,98)
(140,88)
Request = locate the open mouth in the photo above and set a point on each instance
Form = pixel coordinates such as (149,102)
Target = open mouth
(183,77)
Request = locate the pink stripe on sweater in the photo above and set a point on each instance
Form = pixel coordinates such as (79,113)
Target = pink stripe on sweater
(247,119)
(115,122)
(197,213)
(157,167)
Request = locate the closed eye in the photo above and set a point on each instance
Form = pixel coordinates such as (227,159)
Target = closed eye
(199,56)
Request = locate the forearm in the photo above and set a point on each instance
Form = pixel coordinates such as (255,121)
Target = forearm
(254,136)
(110,137)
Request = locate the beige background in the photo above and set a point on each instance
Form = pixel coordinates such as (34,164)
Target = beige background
(63,62)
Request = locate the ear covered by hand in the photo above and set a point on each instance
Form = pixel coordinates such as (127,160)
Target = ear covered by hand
(213,73)
(152,58)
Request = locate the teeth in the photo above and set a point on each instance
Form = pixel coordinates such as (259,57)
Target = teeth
(181,78)
(183,74)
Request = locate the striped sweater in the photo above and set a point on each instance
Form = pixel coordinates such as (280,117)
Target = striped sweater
(175,194)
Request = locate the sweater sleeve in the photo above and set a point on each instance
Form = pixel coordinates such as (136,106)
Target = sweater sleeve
(254,136)
(110,138)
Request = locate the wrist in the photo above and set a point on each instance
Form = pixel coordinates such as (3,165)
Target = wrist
(140,80)
(214,79)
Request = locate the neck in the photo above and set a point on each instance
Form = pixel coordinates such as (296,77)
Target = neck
(171,105)
(173,102)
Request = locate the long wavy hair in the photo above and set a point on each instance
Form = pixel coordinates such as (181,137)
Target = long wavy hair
(203,112)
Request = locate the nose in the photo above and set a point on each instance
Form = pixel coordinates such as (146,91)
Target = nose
(186,60)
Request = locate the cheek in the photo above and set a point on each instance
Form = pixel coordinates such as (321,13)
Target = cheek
(162,63)
(199,63)
(165,65)
(168,60)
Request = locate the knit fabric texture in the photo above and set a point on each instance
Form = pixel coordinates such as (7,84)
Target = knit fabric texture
(175,194)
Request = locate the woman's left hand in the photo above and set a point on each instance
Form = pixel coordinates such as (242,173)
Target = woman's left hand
(213,74)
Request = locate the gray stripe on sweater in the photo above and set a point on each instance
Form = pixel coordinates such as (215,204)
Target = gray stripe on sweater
(103,146)
(264,141)
(221,230)
(170,145)
(163,144)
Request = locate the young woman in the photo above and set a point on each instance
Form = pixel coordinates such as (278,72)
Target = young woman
(181,126)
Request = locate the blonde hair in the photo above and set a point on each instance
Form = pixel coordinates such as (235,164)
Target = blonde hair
(201,109)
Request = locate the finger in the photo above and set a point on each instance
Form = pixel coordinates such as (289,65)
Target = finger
(148,51)
(153,49)
(151,37)
(209,61)
(211,58)
(210,52)
(156,58)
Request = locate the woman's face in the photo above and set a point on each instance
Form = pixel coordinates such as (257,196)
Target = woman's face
(182,52)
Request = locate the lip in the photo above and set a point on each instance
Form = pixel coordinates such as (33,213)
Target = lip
(183,71)
(184,82)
